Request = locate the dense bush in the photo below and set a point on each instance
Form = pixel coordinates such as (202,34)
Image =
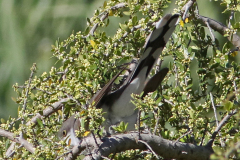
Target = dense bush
(193,114)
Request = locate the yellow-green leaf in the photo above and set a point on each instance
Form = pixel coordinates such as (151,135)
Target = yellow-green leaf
(94,45)
(110,13)
(104,4)
(181,23)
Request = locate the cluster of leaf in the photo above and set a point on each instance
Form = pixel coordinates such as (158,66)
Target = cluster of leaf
(231,5)
(89,61)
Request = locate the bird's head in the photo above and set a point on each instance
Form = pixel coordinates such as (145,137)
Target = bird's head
(67,131)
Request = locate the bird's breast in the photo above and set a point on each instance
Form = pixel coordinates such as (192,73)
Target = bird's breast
(123,107)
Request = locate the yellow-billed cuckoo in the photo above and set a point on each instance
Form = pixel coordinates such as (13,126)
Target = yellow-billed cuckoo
(116,105)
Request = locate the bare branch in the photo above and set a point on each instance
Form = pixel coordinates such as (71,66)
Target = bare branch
(149,147)
(48,111)
(211,33)
(33,69)
(211,23)
(183,136)
(220,28)
(186,7)
(235,88)
(19,140)
(214,108)
(215,115)
(230,18)
(104,16)
(221,124)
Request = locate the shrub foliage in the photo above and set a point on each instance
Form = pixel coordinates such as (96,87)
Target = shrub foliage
(197,103)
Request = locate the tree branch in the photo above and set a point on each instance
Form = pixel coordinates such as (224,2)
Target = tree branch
(19,140)
(105,15)
(119,143)
(220,125)
(46,112)
(186,7)
(215,25)
(220,28)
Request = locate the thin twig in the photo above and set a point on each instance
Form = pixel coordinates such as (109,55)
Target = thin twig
(169,102)
(105,158)
(13,122)
(149,147)
(95,140)
(230,18)
(235,89)
(58,157)
(138,124)
(33,69)
(21,140)
(221,124)
(182,136)
(156,126)
(75,100)
(35,88)
(215,115)
(210,30)
(104,15)
(214,108)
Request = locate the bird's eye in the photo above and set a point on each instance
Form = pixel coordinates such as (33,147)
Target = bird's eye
(64,133)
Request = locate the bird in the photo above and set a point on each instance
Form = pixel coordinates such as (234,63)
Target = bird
(116,105)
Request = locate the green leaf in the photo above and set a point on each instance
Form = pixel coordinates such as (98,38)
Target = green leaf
(137,34)
(104,4)
(134,20)
(158,100)
(122,127)
(195,47)
(127,13)
(228,105)
(2,121)
(193,106)
(124,27)
(202,32)
(88,20)
(39,121)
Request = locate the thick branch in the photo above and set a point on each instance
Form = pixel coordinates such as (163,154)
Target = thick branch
(119,143)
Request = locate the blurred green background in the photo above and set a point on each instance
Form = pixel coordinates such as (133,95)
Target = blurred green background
(28,29)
